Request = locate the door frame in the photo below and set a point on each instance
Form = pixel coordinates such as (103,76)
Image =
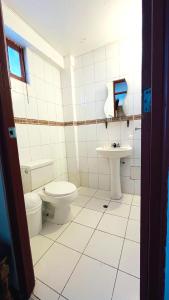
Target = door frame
(12,179)
(155,148)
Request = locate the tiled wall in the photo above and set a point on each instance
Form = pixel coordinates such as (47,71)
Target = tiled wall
(40,99)
(83,90)
(84,94)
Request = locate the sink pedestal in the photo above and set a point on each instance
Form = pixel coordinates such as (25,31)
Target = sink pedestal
(115,178)
(114,155)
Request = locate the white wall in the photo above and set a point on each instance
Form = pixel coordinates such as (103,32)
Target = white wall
(40,99)
(26,36)
(84,94)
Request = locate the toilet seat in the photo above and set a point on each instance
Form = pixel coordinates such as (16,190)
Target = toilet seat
(59,188)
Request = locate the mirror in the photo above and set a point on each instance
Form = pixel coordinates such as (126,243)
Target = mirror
(109,104)
(120,92)
(117,92)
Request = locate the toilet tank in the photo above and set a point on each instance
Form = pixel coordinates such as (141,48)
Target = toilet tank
(36,173)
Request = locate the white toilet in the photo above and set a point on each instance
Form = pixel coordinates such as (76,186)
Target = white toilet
(38,176)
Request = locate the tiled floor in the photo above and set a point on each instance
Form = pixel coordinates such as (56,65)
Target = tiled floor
(95,256)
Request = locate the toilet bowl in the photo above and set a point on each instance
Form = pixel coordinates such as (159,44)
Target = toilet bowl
(57,197)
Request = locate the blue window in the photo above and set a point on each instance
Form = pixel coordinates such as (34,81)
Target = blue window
(16,61)
(120,91)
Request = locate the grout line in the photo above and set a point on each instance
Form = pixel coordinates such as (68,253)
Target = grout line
(126,218)
(96,228)
(54,241)
(121,253)
(43,255)
(82,253)
(34,297)
(52,289)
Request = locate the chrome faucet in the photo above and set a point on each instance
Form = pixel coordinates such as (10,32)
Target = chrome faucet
(115,145)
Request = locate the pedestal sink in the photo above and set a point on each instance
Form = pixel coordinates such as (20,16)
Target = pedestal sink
(114,155)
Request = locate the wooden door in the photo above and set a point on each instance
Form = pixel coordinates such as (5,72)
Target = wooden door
(12,180)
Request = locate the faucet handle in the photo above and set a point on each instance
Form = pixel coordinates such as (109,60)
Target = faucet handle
(115,145)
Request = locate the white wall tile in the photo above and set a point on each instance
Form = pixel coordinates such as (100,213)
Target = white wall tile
(112,69)
(22,136)
(104,182)
(100,71)
(87,59)
(88,74)
(103,166)
(19,108)
(84,179)
(82,134)
(91,132)
(42,109)
(68,113)
(91,149)
(93,165)
(100,91)
(92,71)
(93,180)
(82,149)
(40,99)
(127,185)
(83,164)
(99,54)
(34,135)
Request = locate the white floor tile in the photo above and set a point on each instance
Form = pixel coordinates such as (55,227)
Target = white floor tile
(127,287)
(33,297)
(97,204)
(103,195)
(39,245)
(56,266)
(81,200)
(74,211)
(91,280)
(118,209)
(126,199)
(86,191)
(130,259)
(136,200)
(76,236)
(105,247)
(88,217)
(53,231)
(135,213)
(113,224)
(43,292)
(133,231)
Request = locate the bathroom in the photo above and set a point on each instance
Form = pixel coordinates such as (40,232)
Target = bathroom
(63,129)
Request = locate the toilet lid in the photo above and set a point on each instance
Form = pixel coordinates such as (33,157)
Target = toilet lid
(59,188)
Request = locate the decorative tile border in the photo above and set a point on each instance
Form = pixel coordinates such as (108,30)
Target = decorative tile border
(99,121)
(75,123)
(37,122)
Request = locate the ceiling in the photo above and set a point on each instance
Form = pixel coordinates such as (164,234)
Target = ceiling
(78,26)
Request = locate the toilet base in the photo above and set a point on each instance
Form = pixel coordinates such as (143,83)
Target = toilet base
(58,215)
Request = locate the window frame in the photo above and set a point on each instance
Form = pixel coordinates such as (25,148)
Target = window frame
(117,93)
(20,51)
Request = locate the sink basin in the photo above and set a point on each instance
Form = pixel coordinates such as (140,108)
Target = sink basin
(111,152)
(114,155)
